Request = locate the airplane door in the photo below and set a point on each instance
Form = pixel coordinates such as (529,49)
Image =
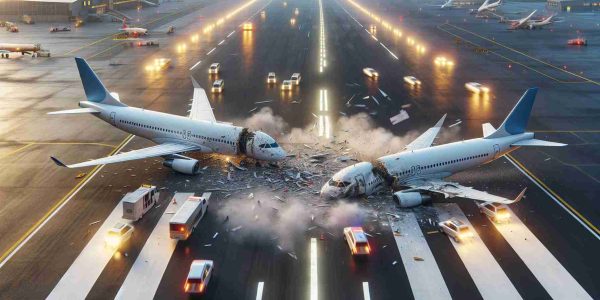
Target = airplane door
(113,117)
(496,150)
(360,184)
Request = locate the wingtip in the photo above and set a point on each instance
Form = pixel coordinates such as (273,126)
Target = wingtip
(520,196)
(441,121)
(57,161)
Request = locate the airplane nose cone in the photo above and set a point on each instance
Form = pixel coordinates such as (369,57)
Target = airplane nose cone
(329,193)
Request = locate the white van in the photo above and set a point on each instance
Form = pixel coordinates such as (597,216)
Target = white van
(199,276)
(214,68)
(138,202)
(188,216)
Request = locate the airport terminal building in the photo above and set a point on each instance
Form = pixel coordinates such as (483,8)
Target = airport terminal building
(574,5)
(64,10)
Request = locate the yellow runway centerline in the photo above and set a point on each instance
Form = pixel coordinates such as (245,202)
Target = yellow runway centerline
(565,204)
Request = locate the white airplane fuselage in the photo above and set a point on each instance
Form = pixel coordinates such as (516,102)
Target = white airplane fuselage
(433,162)
(211,137)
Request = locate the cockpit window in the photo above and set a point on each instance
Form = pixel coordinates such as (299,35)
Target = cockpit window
(267,146)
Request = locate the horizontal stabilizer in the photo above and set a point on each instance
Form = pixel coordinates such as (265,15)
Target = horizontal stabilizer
(75,111)
(537,143)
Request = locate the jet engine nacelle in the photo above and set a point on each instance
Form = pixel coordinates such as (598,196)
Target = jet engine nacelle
(410,199)
(185,166)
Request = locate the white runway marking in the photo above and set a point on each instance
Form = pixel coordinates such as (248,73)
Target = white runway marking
(425,278)
(490,279)
(77,282)
(150,265)
(557,281)
(366,293)
(195,65)
(259,292)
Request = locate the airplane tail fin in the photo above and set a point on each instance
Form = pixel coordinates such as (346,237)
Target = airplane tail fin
(516,121)
(94,89)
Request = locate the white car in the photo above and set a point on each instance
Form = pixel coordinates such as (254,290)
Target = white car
(286,85)
(271,78)
(456,229)
(412,80)
(476,88)
(495,211)
(118,235)
(217,86)
(199,276)
(357,240)
(370,72)
(296,78)
(214,68)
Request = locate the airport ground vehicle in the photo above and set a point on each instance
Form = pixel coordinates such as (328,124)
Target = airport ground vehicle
(271,78)
(412,80)
(148,43)
(476,87)
(443,62)
(456,229)
(217,86)
(187,217)
(370,72)
(497,212)
(577,42)
(159,64)
(199,276)
(12,28)
(357,241)
(247,26)
(138,202)
(118,235)
(214,68)
(171,30)
(59,29)
(286,85)
(296,78)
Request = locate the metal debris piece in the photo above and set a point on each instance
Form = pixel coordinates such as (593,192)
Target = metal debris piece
(375,99)
(265,101)
(366,97)
(80,175)
(452,125)
(402,116)
(292,255)
(394,263)
(417,258)
(251,196)
(252,110)
(215,235)
(207,245)
(95,222)
(406,105)
(236,228)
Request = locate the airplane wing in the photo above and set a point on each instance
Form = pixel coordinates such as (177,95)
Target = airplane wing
(426,139)
(201,109)
(453,189)
(155,151)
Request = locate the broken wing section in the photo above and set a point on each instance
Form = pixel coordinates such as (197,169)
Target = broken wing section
(452,189)
(201,109)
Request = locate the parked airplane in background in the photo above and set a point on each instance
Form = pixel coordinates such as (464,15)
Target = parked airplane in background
(31,49)
(133,31)
(487,6)
(529,23)
(416,174)
(447,4)
(199,132)
(533,24)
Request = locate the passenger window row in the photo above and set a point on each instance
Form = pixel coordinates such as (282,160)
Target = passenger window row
(446,163)
(177,132)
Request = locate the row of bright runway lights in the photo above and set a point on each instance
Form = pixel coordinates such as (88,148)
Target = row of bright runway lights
(411,41)
(323,50)
(194,38)
(324,123)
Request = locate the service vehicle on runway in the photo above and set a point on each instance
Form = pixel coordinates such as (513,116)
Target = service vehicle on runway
(497,212)
(371,73)
(412,80)
(187,217)
(118,235)
(138,202)
(31,49)
(148,43)
(577,42)
(271,78)
(357,241)
(286,85)
(60,29)
(456,229)
(217,86)
(247,26)
(296,78)
(214,68)
(477,88)
(199,276)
